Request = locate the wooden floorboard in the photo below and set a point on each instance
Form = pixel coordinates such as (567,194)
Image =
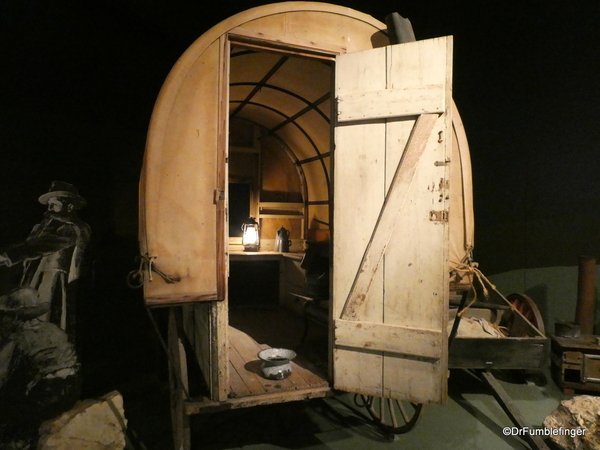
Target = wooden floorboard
(248,379)
(309,373)
(253,385)
(236,382)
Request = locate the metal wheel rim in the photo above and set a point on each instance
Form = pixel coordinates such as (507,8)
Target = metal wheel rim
(526,306)
(394,416)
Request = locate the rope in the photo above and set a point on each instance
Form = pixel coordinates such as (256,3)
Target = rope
(470,268)
(135,278)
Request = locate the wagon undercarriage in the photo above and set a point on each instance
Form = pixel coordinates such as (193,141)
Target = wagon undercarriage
(248,387)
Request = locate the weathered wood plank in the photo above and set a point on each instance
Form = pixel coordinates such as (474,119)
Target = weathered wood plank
(176,300)
(204,405)
(415,265)
(308,373)
(237,386)
(388,216)
(240,356)
(219,314)
(511,410)
(254,386)
(178,380)
(222,236)
(243,356)
(502,353)
(417,342)
(219,340)
(388,103)
(359,173)
(200,337)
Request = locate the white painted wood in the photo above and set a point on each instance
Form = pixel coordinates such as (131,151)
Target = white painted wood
(359,192)
(416,263)
(388,216)
(417,342)
(409,290)
(391,103)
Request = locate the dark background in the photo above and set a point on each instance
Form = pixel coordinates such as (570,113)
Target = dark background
(78,81)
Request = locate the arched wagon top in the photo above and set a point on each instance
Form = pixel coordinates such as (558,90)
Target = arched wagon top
(343,136)
(269,66)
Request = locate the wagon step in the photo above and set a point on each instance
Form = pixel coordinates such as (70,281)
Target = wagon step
(502,397)
(205,405)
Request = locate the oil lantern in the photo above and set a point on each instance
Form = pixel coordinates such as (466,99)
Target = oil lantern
(250,235)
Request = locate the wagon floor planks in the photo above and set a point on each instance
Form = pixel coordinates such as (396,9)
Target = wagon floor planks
(246,379)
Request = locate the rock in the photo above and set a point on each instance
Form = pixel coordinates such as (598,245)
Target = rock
(90,425)
(579,413)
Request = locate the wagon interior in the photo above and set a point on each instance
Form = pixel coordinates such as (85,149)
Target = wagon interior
(279,174)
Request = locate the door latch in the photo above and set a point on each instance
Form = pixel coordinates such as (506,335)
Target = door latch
(438,216)
(218,196)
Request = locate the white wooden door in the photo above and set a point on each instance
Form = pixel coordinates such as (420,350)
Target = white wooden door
(390,268)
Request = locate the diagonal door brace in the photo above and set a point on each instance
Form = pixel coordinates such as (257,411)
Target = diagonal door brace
(386,222)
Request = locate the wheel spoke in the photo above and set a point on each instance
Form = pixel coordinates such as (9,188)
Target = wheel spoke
(392,412)
(403,412)
(527,307)
(410,412)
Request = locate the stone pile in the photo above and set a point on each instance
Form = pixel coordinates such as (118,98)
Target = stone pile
(581,415)
(90,425)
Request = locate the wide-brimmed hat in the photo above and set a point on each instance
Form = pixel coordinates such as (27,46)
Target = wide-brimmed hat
(64,190)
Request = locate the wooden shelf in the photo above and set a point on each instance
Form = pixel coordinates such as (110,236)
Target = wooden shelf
(281,210)
(280,216)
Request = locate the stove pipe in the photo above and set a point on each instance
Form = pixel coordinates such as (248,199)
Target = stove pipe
(586,294)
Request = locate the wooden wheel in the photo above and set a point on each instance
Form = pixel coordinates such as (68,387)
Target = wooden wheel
(526,306)
(394,416)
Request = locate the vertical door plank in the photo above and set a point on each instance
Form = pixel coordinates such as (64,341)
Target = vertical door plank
(359,167)
(416,263)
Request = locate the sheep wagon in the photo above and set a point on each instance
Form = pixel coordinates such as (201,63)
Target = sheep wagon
(305,115)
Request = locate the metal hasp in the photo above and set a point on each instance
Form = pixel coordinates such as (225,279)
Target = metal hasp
(438,216)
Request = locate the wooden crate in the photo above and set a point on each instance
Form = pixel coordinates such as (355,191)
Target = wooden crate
(575,363)
(525,347)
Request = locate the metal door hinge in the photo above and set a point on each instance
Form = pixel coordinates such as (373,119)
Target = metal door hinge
(218,196)
(438,216)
